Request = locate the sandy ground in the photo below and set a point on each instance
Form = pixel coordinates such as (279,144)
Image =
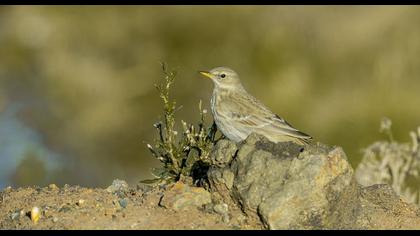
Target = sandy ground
(74,207)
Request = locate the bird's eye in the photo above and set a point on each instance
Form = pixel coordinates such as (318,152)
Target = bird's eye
(223,75)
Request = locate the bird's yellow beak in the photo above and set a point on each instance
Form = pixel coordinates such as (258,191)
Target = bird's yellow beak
(206,74)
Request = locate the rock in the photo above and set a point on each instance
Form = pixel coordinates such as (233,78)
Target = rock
(221,182)
(53,187)
(15,215)
(223,210)
(288,187)
(219,174)
(223,153)
(144,188)
(134,225)
(181,196)
(118,186)
(123,202)
(80,202)
(35,214)
(65,208)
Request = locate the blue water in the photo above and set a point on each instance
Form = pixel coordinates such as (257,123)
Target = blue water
(16,141)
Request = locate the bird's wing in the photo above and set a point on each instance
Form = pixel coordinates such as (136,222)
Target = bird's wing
(254,115)
(284,126)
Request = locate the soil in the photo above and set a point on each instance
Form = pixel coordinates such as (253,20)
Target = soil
(75,207)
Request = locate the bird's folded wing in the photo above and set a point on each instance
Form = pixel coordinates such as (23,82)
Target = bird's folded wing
(254,115)
(273,123)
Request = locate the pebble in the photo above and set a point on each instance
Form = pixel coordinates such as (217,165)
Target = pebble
(35,214)
(64,209)
(117,186)
(123,202)
(15,215)
(226,218)
(53,187)
(80,202)
(241,219)
(221,208)
(134,225)
(54,219)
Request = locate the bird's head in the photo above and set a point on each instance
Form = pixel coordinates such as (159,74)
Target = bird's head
(223,77)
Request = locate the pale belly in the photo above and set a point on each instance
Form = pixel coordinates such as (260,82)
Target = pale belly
(232,131)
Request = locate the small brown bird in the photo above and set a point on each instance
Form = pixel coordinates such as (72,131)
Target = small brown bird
(238,114)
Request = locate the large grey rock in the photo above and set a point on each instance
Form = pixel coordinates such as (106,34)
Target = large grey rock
(289,188)
(286,186)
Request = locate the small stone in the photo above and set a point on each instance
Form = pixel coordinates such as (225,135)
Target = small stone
(35,214)
(226,218)
(64,209)
(221,209)
(80,202)
(181,196)
(54,219)
(117,186)
(53,187)
(15,215)
(46,213)
(123,202)
(134,225)
(241,219)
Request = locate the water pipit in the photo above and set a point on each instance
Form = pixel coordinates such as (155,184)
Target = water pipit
(237,114)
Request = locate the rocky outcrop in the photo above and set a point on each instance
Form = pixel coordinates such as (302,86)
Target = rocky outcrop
(288,187)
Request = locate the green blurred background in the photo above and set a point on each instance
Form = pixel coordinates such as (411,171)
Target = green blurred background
(77,100)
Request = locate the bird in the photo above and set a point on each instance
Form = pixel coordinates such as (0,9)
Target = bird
(237,113)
